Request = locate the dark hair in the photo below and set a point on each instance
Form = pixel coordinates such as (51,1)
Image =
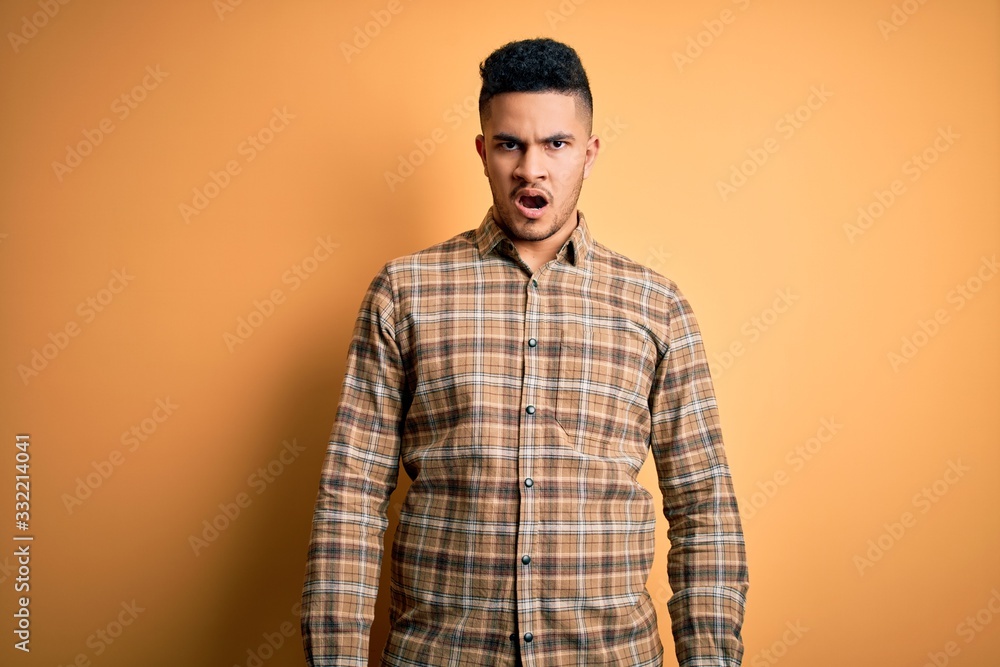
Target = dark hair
(533,66)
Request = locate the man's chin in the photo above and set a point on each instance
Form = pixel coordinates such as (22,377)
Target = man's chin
(522,228)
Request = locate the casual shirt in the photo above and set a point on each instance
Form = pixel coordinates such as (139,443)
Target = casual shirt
(522,406)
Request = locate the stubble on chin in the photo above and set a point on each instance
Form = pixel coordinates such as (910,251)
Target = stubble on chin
(529,231)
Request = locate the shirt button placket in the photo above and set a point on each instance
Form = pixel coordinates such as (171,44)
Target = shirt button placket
(525,580)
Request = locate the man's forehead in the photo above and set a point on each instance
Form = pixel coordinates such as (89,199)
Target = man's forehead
(539,112)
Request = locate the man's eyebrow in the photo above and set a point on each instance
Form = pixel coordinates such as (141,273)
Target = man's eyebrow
(558,136)
(503,136)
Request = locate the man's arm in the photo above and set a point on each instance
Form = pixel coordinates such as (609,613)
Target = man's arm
(706,564)
(359,475)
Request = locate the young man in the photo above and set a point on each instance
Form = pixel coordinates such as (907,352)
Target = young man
(522,372)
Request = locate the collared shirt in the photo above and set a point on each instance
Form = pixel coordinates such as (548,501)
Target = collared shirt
(522,406)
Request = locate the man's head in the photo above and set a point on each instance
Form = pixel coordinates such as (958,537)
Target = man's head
(535,66)
(536,112)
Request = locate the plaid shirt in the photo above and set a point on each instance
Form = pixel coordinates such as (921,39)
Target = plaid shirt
(522,407)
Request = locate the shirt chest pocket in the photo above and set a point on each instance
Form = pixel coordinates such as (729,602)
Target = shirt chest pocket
(602,390)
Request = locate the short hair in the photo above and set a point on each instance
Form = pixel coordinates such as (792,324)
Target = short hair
(533,66)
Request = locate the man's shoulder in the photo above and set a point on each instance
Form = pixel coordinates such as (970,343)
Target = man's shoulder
(457,249)
(619,267)
(657,299)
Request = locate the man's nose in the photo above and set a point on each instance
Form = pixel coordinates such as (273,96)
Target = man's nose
(531,166)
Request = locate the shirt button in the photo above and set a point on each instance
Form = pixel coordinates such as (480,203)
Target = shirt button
(530,409)
(528,636)
(513,637)
(534,283)
(528,482)
(532,342)
(526,559)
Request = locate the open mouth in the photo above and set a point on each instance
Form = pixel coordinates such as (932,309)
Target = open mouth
(532,204)
(534,201)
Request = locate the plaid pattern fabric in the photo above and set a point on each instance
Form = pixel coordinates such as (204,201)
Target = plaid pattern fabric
(522,407)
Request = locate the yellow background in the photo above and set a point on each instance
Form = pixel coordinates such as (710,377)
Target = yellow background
(685,95)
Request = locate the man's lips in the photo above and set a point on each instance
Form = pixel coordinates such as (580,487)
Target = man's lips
(532,197)
(531,202)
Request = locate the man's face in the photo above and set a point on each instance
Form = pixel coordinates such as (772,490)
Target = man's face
(536,150)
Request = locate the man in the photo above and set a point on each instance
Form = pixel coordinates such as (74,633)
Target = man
(521,372)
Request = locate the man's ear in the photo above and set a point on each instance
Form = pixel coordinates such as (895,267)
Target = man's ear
(593,148)
(481,149)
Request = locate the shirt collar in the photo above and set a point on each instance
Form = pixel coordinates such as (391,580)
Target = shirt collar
(490,237)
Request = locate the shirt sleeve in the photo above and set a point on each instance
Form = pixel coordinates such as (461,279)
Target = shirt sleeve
(706,564)
(359,474)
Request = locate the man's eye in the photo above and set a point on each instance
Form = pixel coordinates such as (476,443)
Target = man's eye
(509,145)
(558,144)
